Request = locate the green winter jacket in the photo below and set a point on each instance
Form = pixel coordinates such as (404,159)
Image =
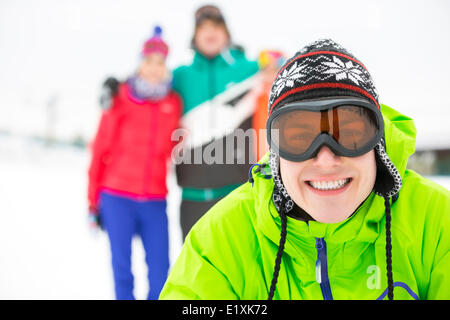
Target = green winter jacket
(230,252)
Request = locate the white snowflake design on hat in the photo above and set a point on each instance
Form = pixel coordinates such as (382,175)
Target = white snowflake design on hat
(346,70)
(288,77)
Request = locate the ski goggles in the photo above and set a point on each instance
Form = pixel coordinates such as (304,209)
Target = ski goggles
(350,127)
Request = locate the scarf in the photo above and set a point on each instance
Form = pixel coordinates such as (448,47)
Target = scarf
(144,90)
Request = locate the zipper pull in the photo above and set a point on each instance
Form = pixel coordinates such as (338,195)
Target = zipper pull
(322,269)
(319,247)
(318,272)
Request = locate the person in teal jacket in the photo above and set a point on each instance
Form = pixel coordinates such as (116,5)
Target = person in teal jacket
(213,88)
(331,212)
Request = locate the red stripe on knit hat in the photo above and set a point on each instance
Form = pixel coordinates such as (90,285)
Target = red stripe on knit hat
(322,52)
(324,85)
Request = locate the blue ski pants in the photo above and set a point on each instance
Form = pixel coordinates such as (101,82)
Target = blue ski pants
(122,218)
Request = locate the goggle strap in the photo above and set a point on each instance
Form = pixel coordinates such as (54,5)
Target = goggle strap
(324,125)
(335,124)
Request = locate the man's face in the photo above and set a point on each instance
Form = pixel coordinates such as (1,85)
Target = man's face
(211,38)
(153,68)
(329,187)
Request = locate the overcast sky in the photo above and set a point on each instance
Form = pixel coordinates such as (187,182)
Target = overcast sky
(63,49)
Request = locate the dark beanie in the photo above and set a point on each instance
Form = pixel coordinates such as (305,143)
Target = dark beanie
(208,12)
(322,69)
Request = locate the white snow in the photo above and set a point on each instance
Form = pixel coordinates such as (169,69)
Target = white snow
(442,180)
(47,250)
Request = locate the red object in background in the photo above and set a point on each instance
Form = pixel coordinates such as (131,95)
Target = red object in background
(132,146)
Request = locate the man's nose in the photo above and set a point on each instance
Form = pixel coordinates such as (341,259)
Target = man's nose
(326,158)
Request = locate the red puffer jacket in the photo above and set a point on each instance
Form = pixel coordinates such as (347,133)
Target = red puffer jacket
(132,146)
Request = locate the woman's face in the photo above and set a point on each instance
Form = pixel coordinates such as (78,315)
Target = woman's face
(211,38)
(153,68)
(329,187)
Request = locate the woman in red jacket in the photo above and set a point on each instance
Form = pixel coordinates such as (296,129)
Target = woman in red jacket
(127,175)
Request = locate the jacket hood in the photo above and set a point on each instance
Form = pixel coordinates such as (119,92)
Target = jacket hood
(389,172)
(400,135)
(364,224)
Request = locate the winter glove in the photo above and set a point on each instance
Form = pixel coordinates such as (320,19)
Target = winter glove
(94,219)
(110,88)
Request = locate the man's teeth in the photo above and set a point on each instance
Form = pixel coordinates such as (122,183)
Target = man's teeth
(329,185)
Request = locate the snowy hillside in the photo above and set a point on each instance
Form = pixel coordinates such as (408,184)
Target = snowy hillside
(47,250)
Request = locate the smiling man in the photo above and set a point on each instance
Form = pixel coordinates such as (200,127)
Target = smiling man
(331,212)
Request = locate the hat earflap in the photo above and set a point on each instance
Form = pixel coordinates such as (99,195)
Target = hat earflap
(388,182)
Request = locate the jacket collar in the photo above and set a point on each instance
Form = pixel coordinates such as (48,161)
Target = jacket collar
(225,57)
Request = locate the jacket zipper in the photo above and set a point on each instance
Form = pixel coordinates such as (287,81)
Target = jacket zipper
(322,269)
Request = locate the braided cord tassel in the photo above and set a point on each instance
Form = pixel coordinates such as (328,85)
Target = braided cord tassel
(279,254)
(389,250)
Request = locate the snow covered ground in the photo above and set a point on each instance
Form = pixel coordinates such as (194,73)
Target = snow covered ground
(46,248)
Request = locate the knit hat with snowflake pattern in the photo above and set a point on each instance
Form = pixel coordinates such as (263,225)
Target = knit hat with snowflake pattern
(322,69)
(325,69)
